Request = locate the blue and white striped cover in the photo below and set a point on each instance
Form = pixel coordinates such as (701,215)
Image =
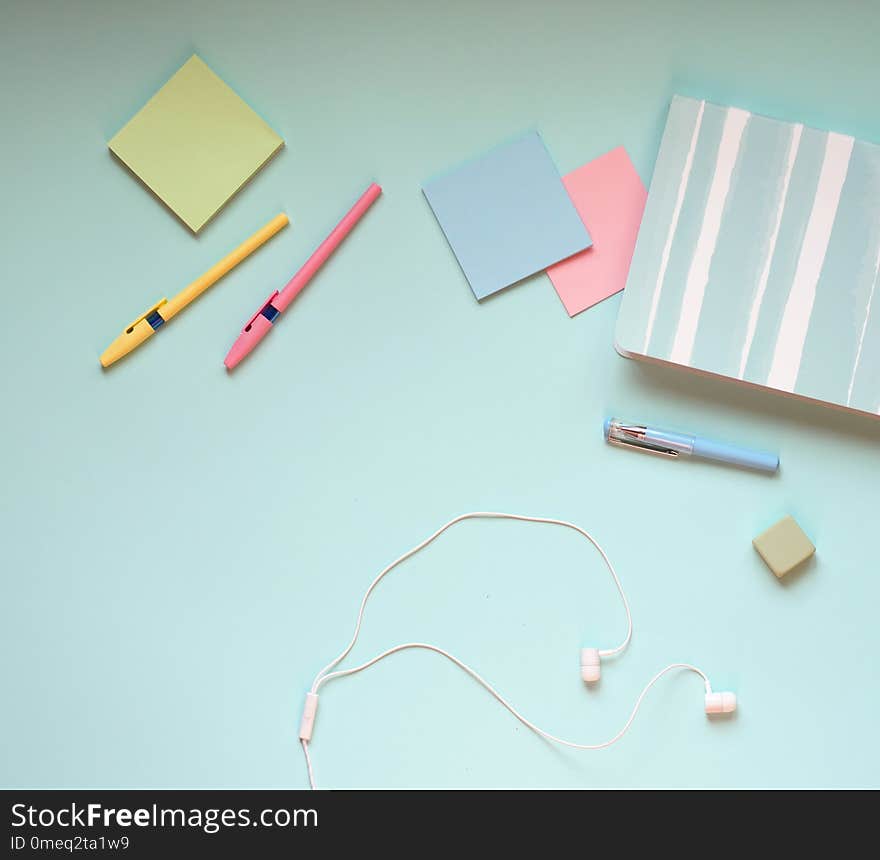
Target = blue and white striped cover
(758,256)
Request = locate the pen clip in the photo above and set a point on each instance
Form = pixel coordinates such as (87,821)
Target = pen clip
(148,313)
(268,301)
(635,437)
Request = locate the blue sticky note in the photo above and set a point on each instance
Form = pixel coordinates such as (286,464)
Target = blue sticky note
(507,215)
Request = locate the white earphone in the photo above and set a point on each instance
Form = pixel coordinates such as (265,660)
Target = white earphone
(590,660)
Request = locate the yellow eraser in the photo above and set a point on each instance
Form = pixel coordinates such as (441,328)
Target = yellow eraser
(784,546)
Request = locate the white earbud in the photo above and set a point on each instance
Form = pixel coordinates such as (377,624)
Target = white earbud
(591,669)
(720,703)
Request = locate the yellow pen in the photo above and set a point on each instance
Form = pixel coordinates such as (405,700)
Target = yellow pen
(144,326)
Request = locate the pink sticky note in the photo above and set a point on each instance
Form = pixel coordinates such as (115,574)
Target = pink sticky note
(610,198)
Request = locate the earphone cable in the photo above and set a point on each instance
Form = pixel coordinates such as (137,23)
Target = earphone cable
(484,683)
(483,515)
(327,674)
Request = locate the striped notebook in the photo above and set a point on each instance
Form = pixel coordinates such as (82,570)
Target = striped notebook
(758,256)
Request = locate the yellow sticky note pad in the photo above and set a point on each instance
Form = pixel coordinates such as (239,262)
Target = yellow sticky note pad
(195,143)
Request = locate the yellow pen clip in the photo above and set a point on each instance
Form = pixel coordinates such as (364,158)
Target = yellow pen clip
(148,313)
(135,334)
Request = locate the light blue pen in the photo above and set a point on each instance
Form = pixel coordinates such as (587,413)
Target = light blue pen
(672,444)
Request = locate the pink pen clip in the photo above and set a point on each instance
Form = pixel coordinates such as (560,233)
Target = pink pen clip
(255,330)
(266,304)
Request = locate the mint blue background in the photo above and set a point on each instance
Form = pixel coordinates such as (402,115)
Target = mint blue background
(183,550)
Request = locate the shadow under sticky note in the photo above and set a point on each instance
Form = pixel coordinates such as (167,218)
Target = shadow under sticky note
(610,198)
(195,143)
(506,215)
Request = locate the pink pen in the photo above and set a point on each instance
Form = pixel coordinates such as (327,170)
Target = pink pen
(265,317)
